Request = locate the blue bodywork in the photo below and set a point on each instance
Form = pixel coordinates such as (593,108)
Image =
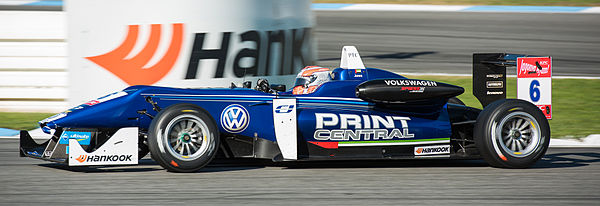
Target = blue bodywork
(336,98)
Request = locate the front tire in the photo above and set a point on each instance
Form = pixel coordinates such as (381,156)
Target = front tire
(512,133)
(183,138)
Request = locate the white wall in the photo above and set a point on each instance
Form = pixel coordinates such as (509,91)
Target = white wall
(33,48)
(33,61)
(107,55)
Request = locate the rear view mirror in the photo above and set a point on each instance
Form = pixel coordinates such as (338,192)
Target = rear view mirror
(278,87)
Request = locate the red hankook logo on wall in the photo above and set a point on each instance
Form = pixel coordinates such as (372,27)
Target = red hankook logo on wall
(132,70)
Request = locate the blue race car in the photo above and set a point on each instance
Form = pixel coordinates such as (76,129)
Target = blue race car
(350,113)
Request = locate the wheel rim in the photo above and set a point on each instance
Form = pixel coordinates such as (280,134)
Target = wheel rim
(187,137)
(519,134)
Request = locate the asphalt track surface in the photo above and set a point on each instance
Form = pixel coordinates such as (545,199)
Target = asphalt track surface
(565,176)
(443,42)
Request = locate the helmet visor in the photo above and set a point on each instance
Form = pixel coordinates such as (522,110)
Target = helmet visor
(301,82)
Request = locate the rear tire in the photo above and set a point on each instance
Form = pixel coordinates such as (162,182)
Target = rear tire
(512,133)
(183,138)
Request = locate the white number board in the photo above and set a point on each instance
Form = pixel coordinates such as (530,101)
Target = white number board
(534,82)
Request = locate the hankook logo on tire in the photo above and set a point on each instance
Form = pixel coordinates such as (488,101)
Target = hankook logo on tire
(235,118)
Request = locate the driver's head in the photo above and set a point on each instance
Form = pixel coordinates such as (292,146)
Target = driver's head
(310,78)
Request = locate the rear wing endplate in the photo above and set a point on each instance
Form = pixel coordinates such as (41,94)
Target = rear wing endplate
(489,75)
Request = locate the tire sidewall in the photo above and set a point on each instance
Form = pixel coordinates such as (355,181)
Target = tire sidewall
(163,156)
(491,116)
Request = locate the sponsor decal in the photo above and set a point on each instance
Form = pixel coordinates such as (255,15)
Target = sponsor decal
(91,102)
(235,118)
(358,72)
(133,71)
(83,138)
(494,84)
(291,40)
(81,158)
(284,109)
(120,148)
(534,82)
(534,67)
(494,76)
(360,127)
(34,153)
(105,98)
(103,158)
(74,108)
(410,82)
(546,109)
(432,150)
(414,89)
(270,47)
(495,93)
(353,54)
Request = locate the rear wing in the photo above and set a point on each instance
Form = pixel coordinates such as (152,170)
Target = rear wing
(489,75)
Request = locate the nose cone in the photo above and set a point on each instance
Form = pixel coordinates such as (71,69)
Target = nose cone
(109,111)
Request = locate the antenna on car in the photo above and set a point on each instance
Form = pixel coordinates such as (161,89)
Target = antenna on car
(244,77)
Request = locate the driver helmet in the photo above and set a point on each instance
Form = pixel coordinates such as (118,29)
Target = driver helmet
(310,78)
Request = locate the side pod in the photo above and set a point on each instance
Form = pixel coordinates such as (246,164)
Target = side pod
(405,91)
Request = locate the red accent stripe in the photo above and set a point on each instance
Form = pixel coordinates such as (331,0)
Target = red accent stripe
(174,163)
(503,158)
(326,145)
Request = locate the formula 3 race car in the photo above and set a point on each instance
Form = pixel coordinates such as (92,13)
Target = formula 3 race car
(358,113)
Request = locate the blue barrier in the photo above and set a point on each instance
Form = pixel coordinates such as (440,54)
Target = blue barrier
(8,132)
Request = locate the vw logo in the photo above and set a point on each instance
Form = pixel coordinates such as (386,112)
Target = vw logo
(235,118)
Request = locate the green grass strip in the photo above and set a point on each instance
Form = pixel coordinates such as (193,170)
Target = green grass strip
(21,121)
(394,141)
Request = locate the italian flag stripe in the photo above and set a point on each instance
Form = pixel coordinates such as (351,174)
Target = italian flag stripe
(335,145)
(394,142)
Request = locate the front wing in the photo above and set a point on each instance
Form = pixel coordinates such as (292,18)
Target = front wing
(84,148)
